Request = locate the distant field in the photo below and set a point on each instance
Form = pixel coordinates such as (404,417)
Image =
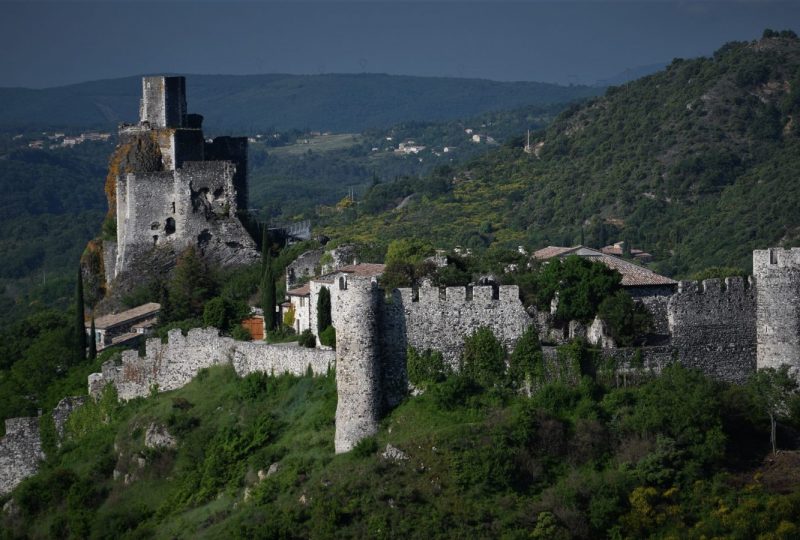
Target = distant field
(323,143)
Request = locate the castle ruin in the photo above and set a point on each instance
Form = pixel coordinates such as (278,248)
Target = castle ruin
(171,189)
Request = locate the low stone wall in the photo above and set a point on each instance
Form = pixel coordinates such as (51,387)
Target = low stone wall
(20,452)
(171,365)
(63,411)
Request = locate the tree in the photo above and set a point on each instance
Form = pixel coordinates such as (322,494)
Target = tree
(525,365)
(190,287)
(581,285)
(772,390)
(80,322)
(93,342)
(484,358)
(626,319)
(267,285)
(324,319)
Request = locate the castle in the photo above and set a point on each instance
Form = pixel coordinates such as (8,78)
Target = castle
(173,189)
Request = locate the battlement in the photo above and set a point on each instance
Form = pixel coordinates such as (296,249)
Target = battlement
(731,285)
(766,260)
(458,295)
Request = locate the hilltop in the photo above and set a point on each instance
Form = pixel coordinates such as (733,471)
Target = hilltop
(696,164)
(254,103)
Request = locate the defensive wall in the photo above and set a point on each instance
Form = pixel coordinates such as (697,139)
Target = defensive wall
(171,365)
(712,325)
(20,452)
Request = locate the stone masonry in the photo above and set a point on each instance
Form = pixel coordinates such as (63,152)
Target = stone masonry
(712,325)
(777,274)
(20,452)
(171,365)
(176,190)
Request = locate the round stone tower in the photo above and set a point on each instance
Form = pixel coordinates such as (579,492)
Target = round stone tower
(777,274)
(358,377)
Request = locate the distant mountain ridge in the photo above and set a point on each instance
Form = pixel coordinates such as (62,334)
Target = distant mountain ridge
(249,103)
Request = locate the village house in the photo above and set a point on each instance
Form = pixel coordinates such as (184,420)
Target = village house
(124,328)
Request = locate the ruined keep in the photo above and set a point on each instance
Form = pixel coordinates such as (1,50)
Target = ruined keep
(171,189)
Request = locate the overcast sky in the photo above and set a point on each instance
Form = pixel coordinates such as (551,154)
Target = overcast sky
(57,43)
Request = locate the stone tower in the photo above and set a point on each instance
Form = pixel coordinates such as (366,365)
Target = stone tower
(172,190)
(358,377)
(777,275)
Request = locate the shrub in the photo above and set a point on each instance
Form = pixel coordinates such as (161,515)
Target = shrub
(426,367)
(365,447)
(484,358)
(307,339)
(241,333)
(526,364)
(328,337)
(626,319)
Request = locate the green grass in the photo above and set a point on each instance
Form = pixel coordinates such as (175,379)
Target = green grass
(570,461)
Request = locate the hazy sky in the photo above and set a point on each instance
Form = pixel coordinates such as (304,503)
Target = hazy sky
(55,43)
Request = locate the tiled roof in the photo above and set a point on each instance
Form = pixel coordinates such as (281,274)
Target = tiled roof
(363,269)
(305,290)
(115,319)
(552,251)
(633,275)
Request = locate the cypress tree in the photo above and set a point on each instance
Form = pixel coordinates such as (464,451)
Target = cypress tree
(267,286)
(80,325)
(93,342)
(324,319)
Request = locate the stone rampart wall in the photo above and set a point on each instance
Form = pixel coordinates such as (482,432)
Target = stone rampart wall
(174,364)
(441,318)
(713,327)
(20,452)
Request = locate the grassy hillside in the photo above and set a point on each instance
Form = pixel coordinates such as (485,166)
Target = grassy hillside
(697,164)
(255,103)
(678,456)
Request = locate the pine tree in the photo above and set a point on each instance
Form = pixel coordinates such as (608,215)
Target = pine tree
(80,324)
(267,285)
(93,342)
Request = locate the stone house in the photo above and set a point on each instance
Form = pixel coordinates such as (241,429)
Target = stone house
(125,327)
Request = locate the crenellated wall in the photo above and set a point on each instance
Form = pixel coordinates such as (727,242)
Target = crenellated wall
(713,327)
(440,318)
(171,365)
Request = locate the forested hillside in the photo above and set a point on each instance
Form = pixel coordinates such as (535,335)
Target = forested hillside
(254,103)
(696,164)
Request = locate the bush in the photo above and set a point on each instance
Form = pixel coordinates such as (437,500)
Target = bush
(307,339)
(484,358)
(526,367)
(426,367)
(241,333)
(626,319)
(328,337)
